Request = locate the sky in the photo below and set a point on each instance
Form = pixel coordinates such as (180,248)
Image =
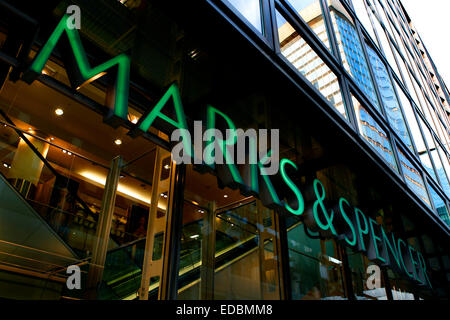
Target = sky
(432,21)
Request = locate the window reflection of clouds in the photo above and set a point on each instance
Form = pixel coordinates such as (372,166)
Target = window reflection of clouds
(373,133)
(251,10)
(439,204)
(413,178)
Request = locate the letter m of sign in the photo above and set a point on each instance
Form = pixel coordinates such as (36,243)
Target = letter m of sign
(80,71)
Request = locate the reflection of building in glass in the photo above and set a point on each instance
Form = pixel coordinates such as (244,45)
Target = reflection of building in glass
(353,58)
(374,134)
(413,178)
(390,102)
(309,64)
(352,53)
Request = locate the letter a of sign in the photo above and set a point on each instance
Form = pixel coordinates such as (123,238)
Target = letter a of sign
(74,280)
(119,102)
(374,280)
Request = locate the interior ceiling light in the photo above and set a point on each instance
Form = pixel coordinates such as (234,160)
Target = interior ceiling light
(118,142)
(225,196)
(59,112)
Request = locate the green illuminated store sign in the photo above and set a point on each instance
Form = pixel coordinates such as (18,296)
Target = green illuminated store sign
(343,222)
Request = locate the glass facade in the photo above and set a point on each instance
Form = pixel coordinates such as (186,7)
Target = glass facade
(88,180)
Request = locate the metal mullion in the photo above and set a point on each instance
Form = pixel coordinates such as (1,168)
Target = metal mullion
(443,168)
(432,119)
(344,77)
(408,128)
(267,21)
(439,190)
(392,78)
(346,95)
(358,31)
(379,117)
(382,123)
(331,33)
(422,116)
(274,27)
(397,157)
(379,48)
(439,79)
(391,72)
(372,75)
(284,253)
(423,172)
(421,166)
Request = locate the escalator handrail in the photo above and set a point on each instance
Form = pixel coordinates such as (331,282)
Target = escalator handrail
(126,245)
(42,158)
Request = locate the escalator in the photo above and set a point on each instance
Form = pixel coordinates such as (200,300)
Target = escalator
(36,239)
(235,240)
(40,238)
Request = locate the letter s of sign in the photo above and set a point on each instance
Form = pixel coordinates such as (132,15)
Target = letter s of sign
(74,20)
(374,280)
(74,280)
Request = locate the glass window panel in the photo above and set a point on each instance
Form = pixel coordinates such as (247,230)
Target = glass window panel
(315,268)
(390,102)
(406,80)
(386,48)
(351,50)
(439,205)
(311,13)
(251,10)
(373,133)
(445,162)
(413,178)
(410,117)
(434,153)
(363,17)
(295,49)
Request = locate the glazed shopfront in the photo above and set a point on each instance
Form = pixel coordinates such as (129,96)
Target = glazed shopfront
(87,175)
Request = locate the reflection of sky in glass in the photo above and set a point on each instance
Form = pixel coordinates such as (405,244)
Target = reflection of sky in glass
(373,133)
(440,206)
(387,93)
(311,13)
(251,10)
(413,178)
(300,54)
(353,56)
(444,178)
(301,4)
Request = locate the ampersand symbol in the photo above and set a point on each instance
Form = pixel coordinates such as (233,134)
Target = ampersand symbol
(319,190)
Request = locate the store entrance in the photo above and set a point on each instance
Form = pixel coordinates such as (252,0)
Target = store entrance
(229,244)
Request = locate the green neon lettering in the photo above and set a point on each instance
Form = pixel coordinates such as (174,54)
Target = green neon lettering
(352,242)
(122,61)
(210,124)
(400,242)
(359,213)
(319,191)
(267,181)
(293,187)
(172,93)
(423,267)
(375,239)
(413,261)
(392,248)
